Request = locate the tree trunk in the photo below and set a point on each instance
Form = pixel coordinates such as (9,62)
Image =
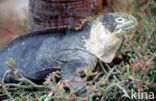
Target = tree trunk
(44,14)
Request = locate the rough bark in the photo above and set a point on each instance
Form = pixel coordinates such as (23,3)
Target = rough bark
(44,14)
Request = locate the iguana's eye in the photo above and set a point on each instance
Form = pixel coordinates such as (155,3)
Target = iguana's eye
(120,20)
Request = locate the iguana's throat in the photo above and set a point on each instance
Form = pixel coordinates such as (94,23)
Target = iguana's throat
(102,43)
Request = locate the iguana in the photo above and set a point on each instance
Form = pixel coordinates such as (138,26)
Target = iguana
(42,52)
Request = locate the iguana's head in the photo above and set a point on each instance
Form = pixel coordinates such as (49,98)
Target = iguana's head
(107,33)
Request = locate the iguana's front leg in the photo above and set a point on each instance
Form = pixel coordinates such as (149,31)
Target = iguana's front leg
(69,69)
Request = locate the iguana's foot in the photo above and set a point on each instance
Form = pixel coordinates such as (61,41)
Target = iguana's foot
(76,83)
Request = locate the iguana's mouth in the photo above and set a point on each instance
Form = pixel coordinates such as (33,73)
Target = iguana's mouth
(130,24)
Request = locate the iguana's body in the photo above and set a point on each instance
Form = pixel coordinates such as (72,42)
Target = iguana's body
(42,52)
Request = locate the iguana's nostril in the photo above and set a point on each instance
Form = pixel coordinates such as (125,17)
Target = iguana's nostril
(133,20)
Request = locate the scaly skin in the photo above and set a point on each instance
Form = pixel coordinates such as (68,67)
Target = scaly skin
(40,53)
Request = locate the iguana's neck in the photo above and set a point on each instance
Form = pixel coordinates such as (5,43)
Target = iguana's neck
(101,42)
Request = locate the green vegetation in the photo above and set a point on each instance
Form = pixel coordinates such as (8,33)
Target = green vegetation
(134,68)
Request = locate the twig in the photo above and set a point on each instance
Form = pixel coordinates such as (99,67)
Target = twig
(18,86)
(19,77)
(7,30)
(24,80)
(5,76)
(96,77)
(102,67)
(4,86)
(108,66)
(115,84)
(110,72)
(33,85)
